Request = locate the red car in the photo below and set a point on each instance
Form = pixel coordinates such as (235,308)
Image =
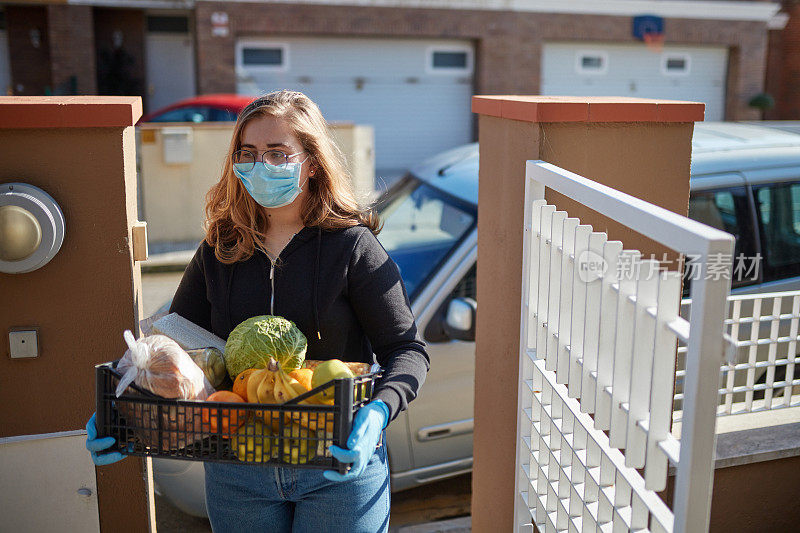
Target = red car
(205,108)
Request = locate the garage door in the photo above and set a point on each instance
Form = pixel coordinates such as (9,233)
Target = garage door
(169,56)
(599,69)
(416,94)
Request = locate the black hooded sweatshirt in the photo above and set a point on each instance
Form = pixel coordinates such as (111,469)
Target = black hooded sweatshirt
(340,287)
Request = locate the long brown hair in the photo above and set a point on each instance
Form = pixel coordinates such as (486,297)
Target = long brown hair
(236,224)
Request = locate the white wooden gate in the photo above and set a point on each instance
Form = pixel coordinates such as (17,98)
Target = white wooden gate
(600,327)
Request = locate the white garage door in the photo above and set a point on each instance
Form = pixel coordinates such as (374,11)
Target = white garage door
(600,69)
(416,94)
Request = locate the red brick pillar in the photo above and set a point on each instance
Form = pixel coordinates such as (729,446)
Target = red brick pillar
(216,52)
(788,97)
(71,32)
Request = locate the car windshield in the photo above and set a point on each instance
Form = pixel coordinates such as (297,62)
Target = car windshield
(185,114)
(421,227)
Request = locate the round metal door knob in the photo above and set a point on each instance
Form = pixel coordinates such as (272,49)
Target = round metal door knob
(31,228)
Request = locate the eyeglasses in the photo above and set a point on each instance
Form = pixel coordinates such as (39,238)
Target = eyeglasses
(247,159)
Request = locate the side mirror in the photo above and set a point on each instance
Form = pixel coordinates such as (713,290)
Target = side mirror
(459,320)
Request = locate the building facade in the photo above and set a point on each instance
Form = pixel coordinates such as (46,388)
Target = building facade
(366,60)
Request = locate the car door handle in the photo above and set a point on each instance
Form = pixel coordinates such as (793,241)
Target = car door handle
(441,431)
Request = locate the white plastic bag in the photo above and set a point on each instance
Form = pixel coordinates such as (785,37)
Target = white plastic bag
(158,364)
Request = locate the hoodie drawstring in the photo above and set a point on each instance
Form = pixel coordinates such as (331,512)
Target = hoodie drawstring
(316,281)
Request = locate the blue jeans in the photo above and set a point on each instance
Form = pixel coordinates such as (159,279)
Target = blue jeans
(266,498)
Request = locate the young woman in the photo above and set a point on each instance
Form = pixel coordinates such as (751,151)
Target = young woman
(285,236)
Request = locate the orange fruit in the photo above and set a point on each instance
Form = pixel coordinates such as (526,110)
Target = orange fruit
(303,375)
(240,383)
(231,419)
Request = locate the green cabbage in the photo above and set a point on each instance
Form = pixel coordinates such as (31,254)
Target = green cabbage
(252,343)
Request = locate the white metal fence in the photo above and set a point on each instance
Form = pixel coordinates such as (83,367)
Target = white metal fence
(597,366)
(761,373)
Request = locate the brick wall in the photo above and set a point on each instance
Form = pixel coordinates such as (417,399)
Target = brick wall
(773,80)
(30,65)
(71,32)
(786,89)
(508,44)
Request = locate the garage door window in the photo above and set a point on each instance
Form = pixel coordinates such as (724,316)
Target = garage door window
(675,64)
(263,56)
(444,61)
(591,62)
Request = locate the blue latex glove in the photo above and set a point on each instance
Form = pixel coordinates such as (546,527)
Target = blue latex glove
(94,445)
(367,426)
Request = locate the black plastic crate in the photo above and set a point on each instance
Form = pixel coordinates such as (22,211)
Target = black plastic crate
(286,434)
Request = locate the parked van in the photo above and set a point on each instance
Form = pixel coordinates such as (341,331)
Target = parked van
(745,180)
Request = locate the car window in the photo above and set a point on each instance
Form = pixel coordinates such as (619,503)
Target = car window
(778,207)
(186,114)
(421,227)
(729,211)
(223,115)
(466,288)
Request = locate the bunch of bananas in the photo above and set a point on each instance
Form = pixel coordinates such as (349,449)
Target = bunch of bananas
(287,386)
(271,385)
(261,386)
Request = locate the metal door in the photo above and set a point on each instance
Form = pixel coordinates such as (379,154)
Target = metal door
(170,68)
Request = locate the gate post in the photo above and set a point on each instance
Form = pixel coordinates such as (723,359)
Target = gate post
(638,146)
(81,151)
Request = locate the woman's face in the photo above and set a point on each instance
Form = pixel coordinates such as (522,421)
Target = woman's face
(265,133)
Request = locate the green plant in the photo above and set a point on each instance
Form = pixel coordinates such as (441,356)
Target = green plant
(762,101)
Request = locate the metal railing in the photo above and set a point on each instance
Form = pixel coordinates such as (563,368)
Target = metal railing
(597,366)
(761,373)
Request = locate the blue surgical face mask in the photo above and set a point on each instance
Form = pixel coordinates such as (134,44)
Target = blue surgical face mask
(270,185)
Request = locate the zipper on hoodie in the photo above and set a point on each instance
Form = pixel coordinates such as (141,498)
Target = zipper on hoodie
(272,276)
(272,287)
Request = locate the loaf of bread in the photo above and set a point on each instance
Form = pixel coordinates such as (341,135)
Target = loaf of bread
(158,364)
